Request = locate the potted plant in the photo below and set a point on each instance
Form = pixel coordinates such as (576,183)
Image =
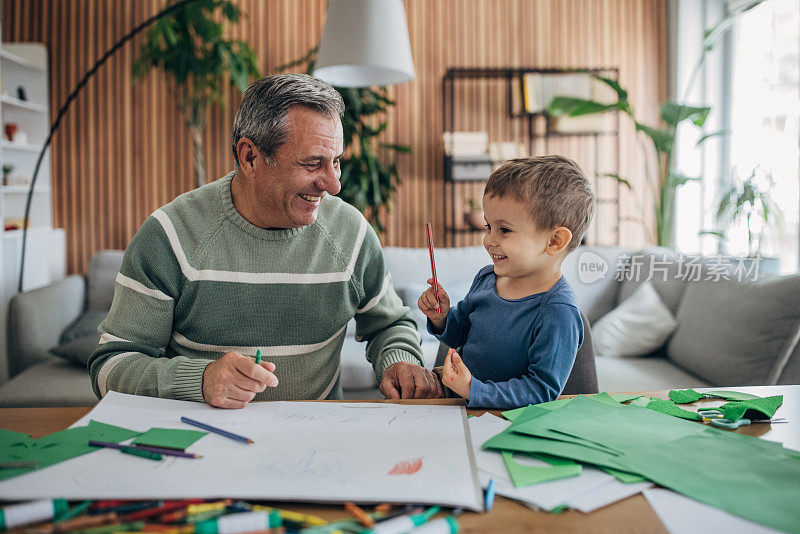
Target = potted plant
(658,142)
(473,216)
(7,170)
(190,47)
(746,204)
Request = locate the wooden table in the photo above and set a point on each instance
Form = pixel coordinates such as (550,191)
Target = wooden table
(629,515)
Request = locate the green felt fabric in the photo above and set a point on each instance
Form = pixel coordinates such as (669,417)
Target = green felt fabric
(719,471)
(670,408)
(171,438)
(753,409)
(641,402)
(684,396)
(527,475)
(731,395)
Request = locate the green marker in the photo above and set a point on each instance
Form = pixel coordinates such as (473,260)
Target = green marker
(139,452)
(243,522)
(258,357)
(31,512)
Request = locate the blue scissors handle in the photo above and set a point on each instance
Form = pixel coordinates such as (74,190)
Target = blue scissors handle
(728,424)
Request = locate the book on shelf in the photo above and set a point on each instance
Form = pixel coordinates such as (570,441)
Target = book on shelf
(465,143)
(539,89)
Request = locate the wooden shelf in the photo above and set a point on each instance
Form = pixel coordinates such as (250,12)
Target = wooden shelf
(13,58)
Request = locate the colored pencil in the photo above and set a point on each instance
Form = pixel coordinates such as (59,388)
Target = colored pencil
(148,448)
(359,514)
(433,267)
(216,430)
(258,357)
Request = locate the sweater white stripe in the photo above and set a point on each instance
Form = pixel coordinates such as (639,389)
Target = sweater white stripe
(139,287)
(108,366)
(278,350)
(377,298)
(330,386)
(108,338)
(194,275)
(416,334)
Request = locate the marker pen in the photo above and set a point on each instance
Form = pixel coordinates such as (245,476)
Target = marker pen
(244,522)
(446,525)
(31,512)
(404,523)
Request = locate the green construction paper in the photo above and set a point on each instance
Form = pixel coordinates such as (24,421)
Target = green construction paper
(512,415)
(642,402)
(731,395)
(621,429)
(740,476)
(511,441)
(625,397)
(624,476)
(104,432)
(763,408)
(13,445)
(527,475)
(171,438)
(670,408)
(552,460)
(684,396)
(604,397)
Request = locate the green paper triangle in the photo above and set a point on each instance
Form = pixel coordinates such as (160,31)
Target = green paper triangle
(526,475)
(171,438)
(104,432)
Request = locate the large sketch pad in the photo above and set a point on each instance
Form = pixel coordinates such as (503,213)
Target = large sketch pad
(304,451)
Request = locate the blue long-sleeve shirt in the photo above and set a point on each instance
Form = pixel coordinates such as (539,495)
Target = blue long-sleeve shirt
(519,351)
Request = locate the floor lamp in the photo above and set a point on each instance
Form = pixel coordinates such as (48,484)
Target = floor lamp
(61,112)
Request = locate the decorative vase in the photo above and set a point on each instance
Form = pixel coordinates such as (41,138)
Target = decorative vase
(475,220)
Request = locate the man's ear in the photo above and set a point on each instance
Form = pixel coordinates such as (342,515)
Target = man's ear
(248,153)
(559,239)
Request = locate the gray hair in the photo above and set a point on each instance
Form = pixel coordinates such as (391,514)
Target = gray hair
(261,116)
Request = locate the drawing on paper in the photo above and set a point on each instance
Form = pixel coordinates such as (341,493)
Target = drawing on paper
(406,467)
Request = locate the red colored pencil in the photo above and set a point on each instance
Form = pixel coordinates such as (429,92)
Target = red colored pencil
(433,267)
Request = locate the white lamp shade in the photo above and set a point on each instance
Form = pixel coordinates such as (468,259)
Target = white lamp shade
(365,43)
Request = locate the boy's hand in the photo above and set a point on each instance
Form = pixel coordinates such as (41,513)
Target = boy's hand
(455,374)
(427,305)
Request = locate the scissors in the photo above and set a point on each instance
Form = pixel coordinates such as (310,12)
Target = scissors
(716,419)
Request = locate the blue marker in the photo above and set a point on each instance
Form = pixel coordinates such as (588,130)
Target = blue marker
(489,502)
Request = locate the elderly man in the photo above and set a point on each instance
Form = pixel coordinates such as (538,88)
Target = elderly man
(266,259)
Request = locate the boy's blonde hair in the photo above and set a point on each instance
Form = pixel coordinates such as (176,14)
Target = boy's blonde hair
(555,189)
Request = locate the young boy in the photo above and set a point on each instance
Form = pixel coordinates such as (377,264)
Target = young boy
(519,327)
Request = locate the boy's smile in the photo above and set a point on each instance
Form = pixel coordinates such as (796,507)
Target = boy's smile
(518,248)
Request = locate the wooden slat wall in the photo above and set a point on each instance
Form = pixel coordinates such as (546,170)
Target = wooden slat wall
(123,151)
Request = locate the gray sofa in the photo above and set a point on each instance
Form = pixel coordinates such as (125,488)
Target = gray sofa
(729,333)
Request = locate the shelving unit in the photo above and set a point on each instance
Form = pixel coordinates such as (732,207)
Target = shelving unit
(497,94)
(25,65)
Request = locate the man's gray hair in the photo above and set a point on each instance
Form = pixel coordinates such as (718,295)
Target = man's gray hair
(261,116)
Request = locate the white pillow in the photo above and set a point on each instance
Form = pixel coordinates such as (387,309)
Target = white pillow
(638,326)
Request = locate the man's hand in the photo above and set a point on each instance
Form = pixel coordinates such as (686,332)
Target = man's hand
(405,380)
(455,374)
(233,380)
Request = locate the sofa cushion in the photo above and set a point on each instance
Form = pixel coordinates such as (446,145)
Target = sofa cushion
(103,269)
(409,294)
(662,267)
(737,333)
(638,326)
(78,350)
(591,273)
(52,382)
(85,325)
(643,374)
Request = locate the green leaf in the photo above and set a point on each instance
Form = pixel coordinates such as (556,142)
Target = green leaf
(677,179)
(673,114)
(576,107)
(618,178)
(662,139)
(710,135)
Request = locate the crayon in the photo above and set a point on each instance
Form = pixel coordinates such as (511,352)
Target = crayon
(359,514)
(216,430)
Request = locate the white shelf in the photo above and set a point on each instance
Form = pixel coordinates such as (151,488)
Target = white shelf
(24,189)
(5,145)
(22,62)
(22,104)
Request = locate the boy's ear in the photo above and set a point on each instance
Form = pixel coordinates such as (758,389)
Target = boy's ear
(559,239)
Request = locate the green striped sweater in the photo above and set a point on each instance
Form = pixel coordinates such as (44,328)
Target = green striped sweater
(199,280)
